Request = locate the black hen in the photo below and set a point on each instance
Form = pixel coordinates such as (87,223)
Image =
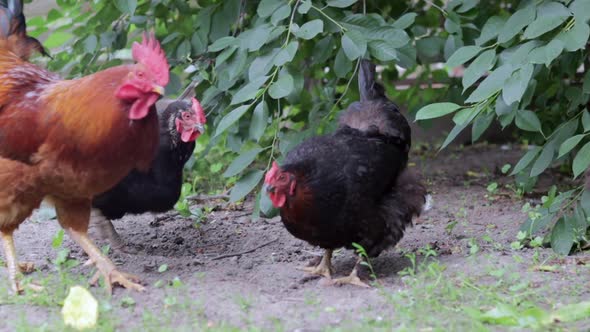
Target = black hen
(351,186)
(159,189)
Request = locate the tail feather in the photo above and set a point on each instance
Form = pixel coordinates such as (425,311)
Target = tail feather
(399,207)
(369,89)
(13,31)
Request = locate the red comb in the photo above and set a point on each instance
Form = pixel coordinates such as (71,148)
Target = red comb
(199,111)
(274,170)
(150,54)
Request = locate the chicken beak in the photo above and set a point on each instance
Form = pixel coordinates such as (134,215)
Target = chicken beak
(270,188)
(158,89)
(200,128)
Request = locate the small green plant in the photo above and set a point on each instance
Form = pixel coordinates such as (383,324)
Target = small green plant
(365,261)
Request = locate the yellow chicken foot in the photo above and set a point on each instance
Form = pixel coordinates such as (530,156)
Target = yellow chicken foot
(11,262)
(26,267)
(324,268)
(105,267)
(353,278)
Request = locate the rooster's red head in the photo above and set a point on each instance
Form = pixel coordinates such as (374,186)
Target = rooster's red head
(146,80)
(279,185)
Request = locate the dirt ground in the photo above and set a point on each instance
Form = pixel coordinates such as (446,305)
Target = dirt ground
(263,288)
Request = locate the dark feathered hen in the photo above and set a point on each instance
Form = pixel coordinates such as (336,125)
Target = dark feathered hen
(157,190)
(350,186)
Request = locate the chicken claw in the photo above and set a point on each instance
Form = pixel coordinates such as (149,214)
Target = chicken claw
(123,279)
(352,278)
(105,266)
(324,268)
(26,267)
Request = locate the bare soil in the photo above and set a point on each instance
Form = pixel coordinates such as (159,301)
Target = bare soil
(263,288)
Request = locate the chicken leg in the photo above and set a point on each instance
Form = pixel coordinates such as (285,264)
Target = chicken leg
(324,268)
(11,262)
(352,278)
(106,231)
(105,267)
(74,218)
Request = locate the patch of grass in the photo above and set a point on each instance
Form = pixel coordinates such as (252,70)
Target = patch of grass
(434,299)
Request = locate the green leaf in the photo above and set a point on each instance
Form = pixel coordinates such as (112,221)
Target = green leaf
(245,185)
(543,24)
(282,87)
(199,42)
(467,5)
(526,160)
(528,120)
(90,44)
(310,29)
(465,115)
(582,160)
(342,65)
(516,23)
(231,118)
(490,30)
(546,54)
(267,7)
(586,121)
(303,8)
(562,237)
(262,64)
(586,84)
(259,121)
(463,55)
(126,6)
(519,54)
(254,39)
(516,85)
(492,84)
(354,44)
(241,162)
(544,160)
(482,64)
(57,39)
(341,3)
(585,201)
(280,14)
(453,134)
(383,51)
(481,123)
(286,54)
(581,10)
(222,43)
(394,38)
(436,110)
(405,21)
(569,144)
(576,37)
(248,91)
(183,50)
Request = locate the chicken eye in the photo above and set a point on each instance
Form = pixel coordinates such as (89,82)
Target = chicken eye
(282,177)
(140,74)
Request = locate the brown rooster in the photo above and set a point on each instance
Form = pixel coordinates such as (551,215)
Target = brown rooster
(350,186)
(69,140)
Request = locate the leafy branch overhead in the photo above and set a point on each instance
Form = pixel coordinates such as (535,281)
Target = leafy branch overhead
(525,68)
(276,72)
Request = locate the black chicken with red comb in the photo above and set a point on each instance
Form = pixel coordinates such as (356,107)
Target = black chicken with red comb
(351,186)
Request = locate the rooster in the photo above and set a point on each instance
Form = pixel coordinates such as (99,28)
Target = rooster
(351,186)
(181,123)
(69,140)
